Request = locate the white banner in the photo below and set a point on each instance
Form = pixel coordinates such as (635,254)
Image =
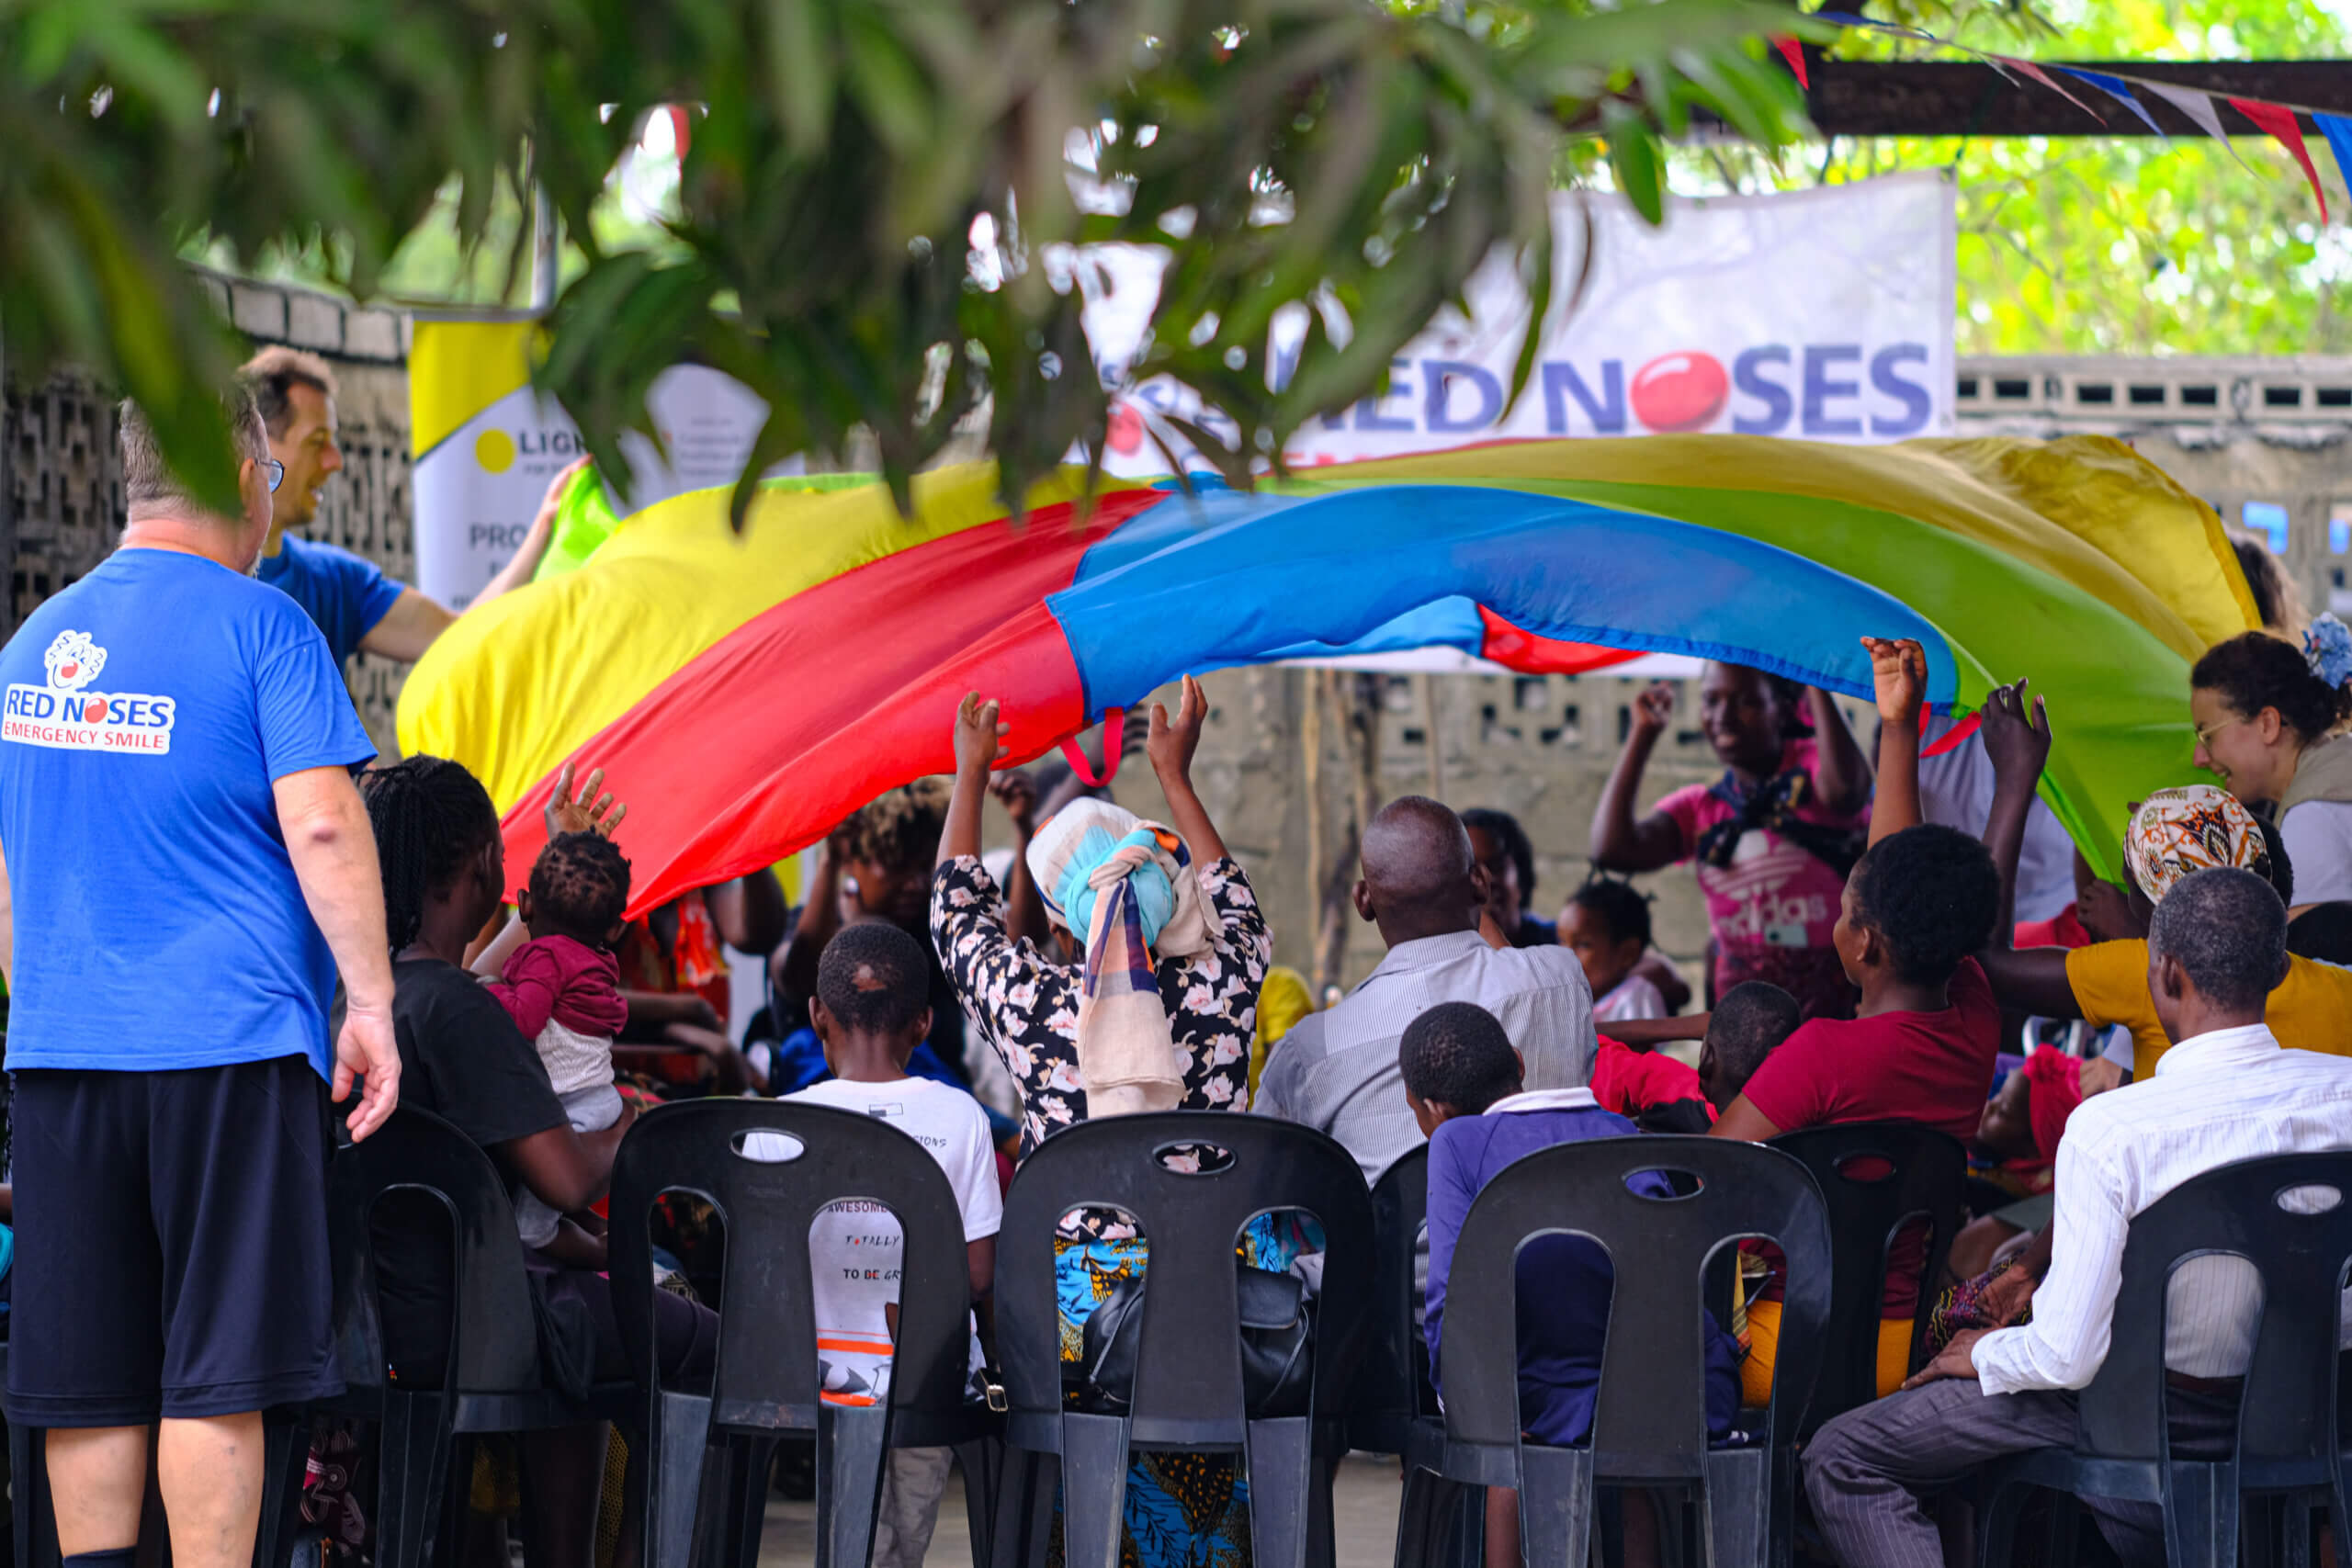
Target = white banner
(478,484)
(1824,313)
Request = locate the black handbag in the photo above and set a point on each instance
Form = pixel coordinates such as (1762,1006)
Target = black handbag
(1277,1336)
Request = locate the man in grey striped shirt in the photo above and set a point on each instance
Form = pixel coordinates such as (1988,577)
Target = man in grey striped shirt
(2225,1092)
(1337,1071)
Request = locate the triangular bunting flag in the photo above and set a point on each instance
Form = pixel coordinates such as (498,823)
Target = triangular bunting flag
(2198,106)
(2039,75)
(1793,52)
(2338,131)
(2116,87)
(2280,122)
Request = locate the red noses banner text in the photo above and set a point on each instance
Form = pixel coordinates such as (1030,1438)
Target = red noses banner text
(1825,314)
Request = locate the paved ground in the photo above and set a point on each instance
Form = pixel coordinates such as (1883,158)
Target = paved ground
(1365,1511)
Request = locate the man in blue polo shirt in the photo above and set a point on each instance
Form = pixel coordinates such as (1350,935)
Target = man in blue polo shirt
(187,866)
(353,604)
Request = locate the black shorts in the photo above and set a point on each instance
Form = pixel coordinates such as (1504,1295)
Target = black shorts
(171,1244)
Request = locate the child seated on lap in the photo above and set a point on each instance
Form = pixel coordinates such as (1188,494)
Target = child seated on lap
(562,989)
(1462,1079)
(872,1010)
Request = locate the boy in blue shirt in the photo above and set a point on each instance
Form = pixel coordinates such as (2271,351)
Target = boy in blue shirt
(1462,1079)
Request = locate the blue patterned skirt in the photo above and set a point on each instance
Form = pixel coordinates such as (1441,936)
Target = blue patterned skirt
(1183,1510)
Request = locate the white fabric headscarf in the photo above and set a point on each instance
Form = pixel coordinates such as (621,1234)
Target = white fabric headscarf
(1127,887)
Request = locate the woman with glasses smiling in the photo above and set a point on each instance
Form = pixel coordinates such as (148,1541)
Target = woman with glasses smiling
(2267,716)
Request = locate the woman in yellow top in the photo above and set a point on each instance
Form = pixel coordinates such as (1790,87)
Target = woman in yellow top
(2174,832)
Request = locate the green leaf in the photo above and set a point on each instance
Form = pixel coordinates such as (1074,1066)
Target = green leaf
(1635,160)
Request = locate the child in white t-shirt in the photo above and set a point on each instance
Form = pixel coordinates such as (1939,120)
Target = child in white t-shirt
(872,1009)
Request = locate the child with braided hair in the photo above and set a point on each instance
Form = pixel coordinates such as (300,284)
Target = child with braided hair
(462,1058)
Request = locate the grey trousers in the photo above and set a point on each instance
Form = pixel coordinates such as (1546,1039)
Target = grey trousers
(1867,1471)
(912,1487)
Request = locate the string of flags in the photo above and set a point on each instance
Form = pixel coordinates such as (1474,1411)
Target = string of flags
(2279,121)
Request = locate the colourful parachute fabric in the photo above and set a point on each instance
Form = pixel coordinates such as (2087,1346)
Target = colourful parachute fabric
(746,693)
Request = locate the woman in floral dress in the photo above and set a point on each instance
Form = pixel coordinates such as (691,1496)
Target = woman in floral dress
(1186,908)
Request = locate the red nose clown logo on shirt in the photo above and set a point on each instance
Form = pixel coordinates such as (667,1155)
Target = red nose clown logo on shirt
(64,717)
(1680,392)
(74,660)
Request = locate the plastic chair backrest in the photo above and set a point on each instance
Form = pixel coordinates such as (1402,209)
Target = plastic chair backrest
(1188,1373)
(767,1376)
(494,1338)
(2288,1411)
(1650,1419)
(1925,1177)
(1393,1384)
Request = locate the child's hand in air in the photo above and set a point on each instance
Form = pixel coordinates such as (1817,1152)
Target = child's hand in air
(1899,671)
(588,812)
(2017,737)
(980,737)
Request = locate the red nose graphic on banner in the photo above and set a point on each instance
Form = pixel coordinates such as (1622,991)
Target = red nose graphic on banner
(1680,392)
(94,712)
(1126,430)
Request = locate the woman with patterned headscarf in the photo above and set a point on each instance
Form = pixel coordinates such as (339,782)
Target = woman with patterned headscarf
(1147,1001)
(2173,833)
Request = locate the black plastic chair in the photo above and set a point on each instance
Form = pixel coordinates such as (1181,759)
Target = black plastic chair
(2288,1442)
(1396,1409)
(1650,1415)
(1925,1178)
(1394,1402)
(767,1381)
(491,1380)
(1188,1372)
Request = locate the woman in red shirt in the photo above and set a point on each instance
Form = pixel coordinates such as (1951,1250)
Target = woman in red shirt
(1921,1045)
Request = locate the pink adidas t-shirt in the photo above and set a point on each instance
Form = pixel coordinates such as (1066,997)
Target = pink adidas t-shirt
(1774,894)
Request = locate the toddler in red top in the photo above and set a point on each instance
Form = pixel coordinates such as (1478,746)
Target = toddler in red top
(563,987)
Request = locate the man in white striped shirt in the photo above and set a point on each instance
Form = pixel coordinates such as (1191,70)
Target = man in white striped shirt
(2225,1092)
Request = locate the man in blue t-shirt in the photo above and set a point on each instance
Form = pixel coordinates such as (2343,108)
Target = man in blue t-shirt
(186,865)
(353,604)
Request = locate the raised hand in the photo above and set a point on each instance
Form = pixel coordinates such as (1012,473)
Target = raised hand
(589,812)
(2016,739)
(1017,792)
(1654,709)
(1172,742)
(980,737)
(1899,673)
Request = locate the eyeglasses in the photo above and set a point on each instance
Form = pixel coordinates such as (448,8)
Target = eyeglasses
(275,469)
(2205,732)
